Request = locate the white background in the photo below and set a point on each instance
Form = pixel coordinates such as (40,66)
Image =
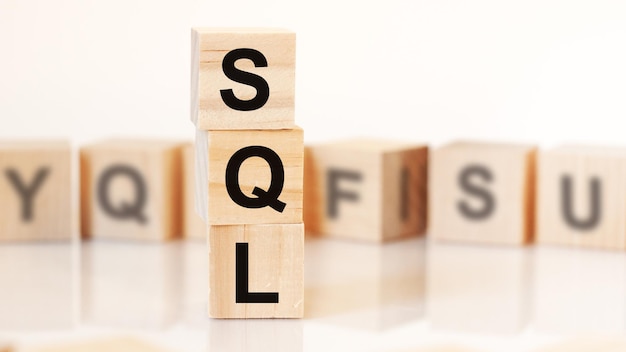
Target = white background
(536,70)
(543,71)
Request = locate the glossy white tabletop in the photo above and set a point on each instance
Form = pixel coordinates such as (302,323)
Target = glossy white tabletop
(363,297)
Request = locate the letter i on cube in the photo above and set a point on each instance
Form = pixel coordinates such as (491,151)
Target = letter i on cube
(249,167)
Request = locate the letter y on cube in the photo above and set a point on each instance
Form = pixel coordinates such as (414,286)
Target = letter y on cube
(35,192)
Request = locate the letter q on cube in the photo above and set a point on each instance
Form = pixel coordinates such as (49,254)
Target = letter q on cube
(482,192)
(366,189)
(249,176)
(131,189)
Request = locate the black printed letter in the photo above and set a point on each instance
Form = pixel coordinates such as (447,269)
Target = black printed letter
(335,194)
(241,280)
(567,204)
(125,210)
(27,193)
(262,88)
(263,198)
(466,184)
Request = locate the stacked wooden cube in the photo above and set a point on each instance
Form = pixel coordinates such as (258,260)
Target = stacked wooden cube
(249,158)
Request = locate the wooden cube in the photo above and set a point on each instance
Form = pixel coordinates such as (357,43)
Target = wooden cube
(193,225)
(35,188)
(588,342)
(131,189)
(256,271)
(242,78)
(366,189)
(250,177)
(582,197)
(108,344)
(482,192)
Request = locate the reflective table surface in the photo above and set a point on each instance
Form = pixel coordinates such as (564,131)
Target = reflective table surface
(400,296)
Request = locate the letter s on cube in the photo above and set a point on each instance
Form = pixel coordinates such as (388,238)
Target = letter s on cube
(131,189)
(250,176)
(242,78)
(482,192)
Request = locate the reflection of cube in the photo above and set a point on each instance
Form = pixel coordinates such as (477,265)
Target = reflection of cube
(477,289)
(37,288)
(582,197)
(366,189)
(578,291)
(255,335)
(256,271)
(131,189)
(195,280)
(131,284)
(250,177)
(242,78)
(482,192)
(364,286)
(35,188)
(193,226)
